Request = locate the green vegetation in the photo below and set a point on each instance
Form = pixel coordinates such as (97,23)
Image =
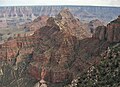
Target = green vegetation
(105,74)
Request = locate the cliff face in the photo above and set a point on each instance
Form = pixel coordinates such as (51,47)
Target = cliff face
(111,32)
(51,46)
(61,45)
(14,49)
(100,33)
(53,50)
(92,25)
(15,11)
(114,30)
(57,47)
(15,55)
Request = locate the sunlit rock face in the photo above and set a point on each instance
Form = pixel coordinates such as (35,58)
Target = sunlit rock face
(67,22)
(65,14)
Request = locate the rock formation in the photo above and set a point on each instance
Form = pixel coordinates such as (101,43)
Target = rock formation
(111,32)
(73,26)
(62,46)
(51,46)
(37,23)
(94,24)
(100,33)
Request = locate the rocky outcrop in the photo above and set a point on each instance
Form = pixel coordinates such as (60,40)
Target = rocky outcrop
(52,49)
(63,53)
(100,33)
(64,14)
(15,55)
(14,50)
(73,26)
(111,33)
(55,47)
(92,25)
(47,46)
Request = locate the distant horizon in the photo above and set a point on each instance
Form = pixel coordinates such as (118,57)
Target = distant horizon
(105,3)
(61,6)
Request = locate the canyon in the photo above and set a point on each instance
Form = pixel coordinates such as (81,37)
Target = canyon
(14,19)
(61,44)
